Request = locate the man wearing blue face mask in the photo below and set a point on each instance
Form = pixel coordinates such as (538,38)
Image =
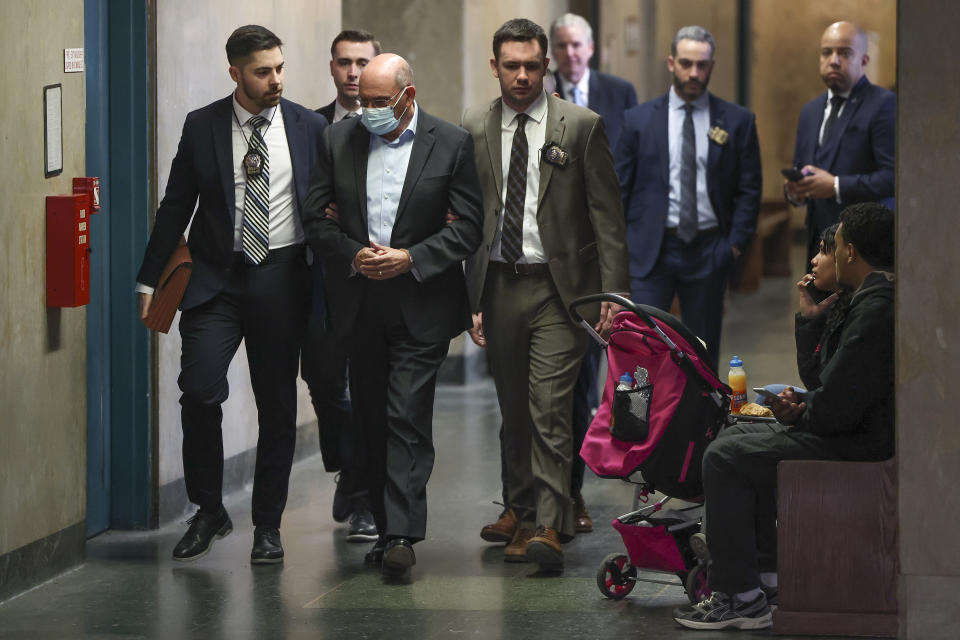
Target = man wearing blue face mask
(396,287)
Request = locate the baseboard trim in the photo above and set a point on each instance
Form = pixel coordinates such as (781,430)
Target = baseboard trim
(237,473)
(42,560)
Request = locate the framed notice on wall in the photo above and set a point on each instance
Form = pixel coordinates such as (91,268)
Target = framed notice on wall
(52,130)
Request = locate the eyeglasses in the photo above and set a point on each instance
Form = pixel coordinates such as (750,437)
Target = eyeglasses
(379,103)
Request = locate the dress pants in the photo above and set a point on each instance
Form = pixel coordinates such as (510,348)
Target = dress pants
(266,306)
(740,492)
(585,400)
(535,352)
(393,377)
(323,366)
(697,273)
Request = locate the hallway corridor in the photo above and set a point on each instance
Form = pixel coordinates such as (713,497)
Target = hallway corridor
(460,588)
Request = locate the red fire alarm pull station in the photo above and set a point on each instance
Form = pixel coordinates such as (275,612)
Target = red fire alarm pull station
(91,187)
(68,250)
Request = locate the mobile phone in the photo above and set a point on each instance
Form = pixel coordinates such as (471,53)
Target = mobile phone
(766,393)
(792,174)
(818,295)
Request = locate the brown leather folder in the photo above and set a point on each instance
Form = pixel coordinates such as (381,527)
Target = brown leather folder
(170,290)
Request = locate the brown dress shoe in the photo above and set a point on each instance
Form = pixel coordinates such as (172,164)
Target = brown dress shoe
(582,521)
(516,551)
(502,530)
(544,549)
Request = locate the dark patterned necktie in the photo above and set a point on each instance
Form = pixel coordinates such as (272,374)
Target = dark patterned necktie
(511,239)
(687,228)
(256,200)
(835,103)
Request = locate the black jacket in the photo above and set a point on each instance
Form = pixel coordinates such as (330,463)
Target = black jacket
(818,339)
(854,406)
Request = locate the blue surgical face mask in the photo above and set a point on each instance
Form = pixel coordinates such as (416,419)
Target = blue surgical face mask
(380,120)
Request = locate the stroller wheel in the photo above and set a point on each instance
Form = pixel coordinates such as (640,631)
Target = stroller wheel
(696,584)
(615,576)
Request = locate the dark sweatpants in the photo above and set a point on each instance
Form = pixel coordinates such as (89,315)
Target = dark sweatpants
(740,489)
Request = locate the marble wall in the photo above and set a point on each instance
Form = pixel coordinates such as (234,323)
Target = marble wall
(928,319)
(43,363)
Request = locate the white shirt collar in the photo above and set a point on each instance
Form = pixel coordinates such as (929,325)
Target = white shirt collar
(339,113)
(537,110)
(845,95)
(243,115)
(676,102)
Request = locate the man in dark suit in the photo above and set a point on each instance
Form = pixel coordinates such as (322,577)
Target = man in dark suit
(244,163)
(553,232)
(571,44)
(323,359)
(396,285)
(845,137)
(689,169)
(350,52)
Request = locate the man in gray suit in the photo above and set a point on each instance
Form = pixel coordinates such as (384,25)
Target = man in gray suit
(553,231)
(396,286)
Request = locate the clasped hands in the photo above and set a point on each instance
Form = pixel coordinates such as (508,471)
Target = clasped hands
(817,184)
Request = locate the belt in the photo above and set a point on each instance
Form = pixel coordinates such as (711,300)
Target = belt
(521,268)
(290,253)
(702,233)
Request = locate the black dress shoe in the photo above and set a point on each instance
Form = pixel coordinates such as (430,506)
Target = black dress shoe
(362,527)
(204,529)
(375,555)
(266,546)
(398,556)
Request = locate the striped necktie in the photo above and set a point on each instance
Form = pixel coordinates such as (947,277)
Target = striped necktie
(511,238)
(256,200)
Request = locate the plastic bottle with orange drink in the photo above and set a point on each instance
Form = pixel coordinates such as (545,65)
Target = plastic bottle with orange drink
(737,379)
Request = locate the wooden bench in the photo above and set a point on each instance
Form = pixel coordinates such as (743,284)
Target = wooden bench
(837,548)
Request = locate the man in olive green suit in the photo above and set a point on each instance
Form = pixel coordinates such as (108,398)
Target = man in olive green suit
(553,231)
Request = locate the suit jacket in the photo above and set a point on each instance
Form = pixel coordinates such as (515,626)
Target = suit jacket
(609,96)
(328,111)
(578,213)
(860,150)
(643,167)
(441,175)
(201,176)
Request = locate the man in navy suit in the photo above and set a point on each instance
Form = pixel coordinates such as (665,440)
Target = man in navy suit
(244,163)
(845,137)
(689,169)
(571,43)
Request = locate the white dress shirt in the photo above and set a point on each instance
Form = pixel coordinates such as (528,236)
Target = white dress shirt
(536,131)
(583,86)
(285,227)
(706,218)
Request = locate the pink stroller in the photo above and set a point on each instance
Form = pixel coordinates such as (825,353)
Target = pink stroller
(654,434)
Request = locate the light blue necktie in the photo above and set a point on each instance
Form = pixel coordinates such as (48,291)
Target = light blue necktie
(576,95)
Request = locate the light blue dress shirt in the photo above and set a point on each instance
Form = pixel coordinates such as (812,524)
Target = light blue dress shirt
(386,171)
(706,218)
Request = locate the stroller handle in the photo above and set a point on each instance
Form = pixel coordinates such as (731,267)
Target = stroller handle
(626,303)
